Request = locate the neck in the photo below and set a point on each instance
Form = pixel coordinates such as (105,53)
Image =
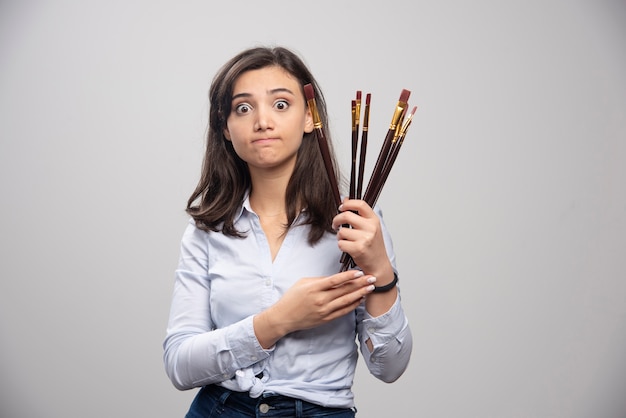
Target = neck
(267,195)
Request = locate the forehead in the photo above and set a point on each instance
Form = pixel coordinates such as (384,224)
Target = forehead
(265,79)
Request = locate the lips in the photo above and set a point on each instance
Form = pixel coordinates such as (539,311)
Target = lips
(263,140)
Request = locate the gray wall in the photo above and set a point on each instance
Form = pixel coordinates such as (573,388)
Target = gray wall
(507,203)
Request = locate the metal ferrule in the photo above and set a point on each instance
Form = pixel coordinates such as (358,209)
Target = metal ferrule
(397,116)
(405,126)
(317,121)
(366,118)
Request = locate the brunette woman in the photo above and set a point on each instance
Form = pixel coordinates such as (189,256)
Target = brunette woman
(262,319)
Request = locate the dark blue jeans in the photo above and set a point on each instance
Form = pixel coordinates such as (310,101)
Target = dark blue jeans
(215,401)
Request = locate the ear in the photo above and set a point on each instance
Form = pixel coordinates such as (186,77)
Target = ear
(226,134)
(308,123)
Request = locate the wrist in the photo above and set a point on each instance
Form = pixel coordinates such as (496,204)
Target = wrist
(384,273)
(387,287)
(268,331)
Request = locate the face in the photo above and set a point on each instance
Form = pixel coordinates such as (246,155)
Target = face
(268,119)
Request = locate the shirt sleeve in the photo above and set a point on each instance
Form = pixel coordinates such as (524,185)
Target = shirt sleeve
(195,353)
(389,333)
(391,338)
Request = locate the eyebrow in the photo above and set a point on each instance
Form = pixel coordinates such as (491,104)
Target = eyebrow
(272,91)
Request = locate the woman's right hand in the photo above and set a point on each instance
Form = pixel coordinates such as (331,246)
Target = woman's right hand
(310,302)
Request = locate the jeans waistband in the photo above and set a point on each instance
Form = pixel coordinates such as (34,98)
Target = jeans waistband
(272,404)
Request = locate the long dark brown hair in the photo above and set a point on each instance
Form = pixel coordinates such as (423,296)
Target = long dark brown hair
(225,178)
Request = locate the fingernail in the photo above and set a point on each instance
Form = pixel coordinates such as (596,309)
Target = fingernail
(370,287)
(371,280)
(341,207)
(358,273)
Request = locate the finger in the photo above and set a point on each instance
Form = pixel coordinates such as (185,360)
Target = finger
(355,249)
(357,205)
(349,301)
(355,234)
(354,220)
(339,279)
(351,290)
(344,218)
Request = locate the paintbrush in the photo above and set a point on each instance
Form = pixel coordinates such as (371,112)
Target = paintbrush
(363,146)
(318,127)
(393,154)
(309,93)
(356,117)
(392,133)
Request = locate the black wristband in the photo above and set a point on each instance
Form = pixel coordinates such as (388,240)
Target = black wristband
(387,287)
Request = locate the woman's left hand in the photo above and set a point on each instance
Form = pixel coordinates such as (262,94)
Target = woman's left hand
(363,240)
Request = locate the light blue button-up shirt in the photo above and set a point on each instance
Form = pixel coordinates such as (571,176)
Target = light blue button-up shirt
(222,282)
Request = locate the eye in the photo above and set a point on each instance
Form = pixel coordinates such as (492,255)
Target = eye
(281,104)
(242,108)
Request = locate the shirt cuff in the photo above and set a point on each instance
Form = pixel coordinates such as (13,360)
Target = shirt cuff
(245,346)
(381,329)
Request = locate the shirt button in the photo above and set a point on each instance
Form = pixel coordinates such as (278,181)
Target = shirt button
(268,282)
(253,358)
(371,330)
(264,408)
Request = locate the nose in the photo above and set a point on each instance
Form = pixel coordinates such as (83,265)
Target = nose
(263,119)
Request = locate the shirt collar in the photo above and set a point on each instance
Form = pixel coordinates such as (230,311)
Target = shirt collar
(245,206)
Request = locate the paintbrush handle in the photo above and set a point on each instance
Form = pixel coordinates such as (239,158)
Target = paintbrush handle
(309,93)
(380,163)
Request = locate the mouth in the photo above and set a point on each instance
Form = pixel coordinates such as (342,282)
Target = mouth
(264,140)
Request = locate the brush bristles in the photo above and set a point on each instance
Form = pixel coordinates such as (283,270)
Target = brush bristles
(309,93)
(404,96)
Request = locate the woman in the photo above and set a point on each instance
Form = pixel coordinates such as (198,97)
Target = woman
(262,319)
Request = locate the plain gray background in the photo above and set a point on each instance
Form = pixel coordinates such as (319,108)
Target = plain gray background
(507,203)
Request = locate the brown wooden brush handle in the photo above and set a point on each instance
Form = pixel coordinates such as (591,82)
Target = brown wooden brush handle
(353,166)
(393,154)
(363,146)
(380,163)
(321,138)
(309,93)
(363,151)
